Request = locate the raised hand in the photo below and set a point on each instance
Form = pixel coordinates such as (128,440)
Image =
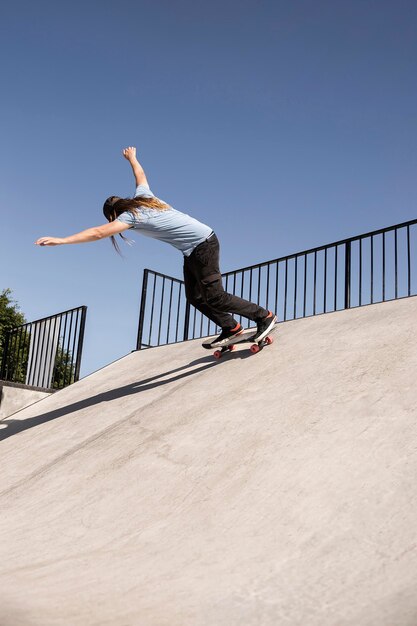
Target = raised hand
(130,153)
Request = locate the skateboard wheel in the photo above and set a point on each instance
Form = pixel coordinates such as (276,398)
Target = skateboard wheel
(268,341)
(255,348)
(217,354)
(232,347)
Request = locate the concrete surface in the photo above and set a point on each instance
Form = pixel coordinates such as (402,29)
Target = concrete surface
(14,398)
(169,489)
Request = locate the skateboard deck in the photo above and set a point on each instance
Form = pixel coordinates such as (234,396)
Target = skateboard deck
(246,337)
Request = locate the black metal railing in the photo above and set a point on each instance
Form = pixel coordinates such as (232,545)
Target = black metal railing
(366,269)
(47,352)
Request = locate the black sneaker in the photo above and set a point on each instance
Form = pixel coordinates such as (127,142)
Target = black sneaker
(224,337)
(264,326)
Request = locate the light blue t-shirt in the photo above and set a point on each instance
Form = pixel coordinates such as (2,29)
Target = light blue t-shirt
(176,228)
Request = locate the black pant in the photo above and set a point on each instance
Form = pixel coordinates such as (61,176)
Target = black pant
(204,288)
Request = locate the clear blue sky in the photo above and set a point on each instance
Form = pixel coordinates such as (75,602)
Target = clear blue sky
(283,125)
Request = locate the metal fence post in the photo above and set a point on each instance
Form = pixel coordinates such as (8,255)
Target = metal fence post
(80,343)
(186,320)
(347,274)
(142,309)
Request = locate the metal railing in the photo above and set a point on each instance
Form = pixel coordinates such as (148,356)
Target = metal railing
(366,269)
(47,352)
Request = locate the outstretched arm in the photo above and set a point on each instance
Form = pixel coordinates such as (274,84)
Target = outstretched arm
(85,236)
(130,154)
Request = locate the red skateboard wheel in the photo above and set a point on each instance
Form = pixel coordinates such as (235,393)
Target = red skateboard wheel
(217,354)
(269,340)
(255,348)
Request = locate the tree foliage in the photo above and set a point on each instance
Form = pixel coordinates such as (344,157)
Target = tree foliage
(10,316)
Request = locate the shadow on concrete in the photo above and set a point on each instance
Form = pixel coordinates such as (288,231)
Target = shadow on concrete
(9,427)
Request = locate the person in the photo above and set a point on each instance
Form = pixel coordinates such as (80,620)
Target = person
(152,217)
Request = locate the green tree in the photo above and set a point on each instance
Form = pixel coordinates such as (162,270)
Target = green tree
(10,316)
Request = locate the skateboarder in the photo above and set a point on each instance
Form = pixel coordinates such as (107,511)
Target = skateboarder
(199,245)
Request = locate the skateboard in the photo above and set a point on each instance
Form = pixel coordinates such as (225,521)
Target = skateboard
(245,337)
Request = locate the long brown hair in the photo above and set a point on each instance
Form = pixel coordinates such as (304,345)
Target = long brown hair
(115,206)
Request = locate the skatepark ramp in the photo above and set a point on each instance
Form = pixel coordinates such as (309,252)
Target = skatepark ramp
(170,489)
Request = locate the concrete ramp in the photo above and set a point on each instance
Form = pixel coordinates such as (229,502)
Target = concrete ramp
(169,489)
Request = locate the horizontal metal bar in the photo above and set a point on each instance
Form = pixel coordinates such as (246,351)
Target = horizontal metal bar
(50,317)
(176,280)
(324,247)
(293,255)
